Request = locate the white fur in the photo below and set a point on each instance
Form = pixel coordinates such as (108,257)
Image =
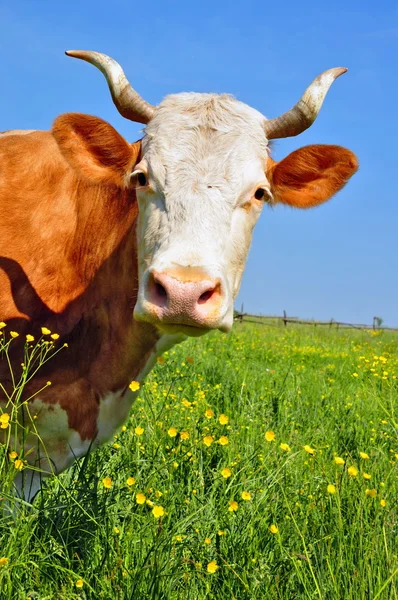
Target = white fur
(205,156)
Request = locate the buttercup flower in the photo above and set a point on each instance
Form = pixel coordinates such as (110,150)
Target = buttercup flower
(353,471)
(208,440)
(366,476)
(4,420)
(184,435)
(45,331)
(107,483)
(284,447)
(158,511)
(372,493)
(138,431)
(363,455)
(30,338)
(134,386)
(273,529)
(140,498)
(14,334)
(223,419)
(223,441)
(233,506)
(172,432)
(130,481)
(79,583)
(4,561)
(226,472)
(331,488)
(309,450)
(209,413)
(338,460)
(269,436)
(246,496)
(212,567)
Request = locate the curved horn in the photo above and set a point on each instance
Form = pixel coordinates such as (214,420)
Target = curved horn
(303,114)
(127,101)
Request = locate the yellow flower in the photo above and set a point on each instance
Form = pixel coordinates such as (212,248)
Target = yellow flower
(116,530)
(130,481)
(309,449)
(273,529)
(134,386)
(383,503)
(18,464)
(172,432)
(79,583)
(355,374)
(207,541)
(233,506)
(3,559)
(212,567)
(366,476)
(364,455)
(208,440)
(55,336)
(269,436)
(158,494)
(223,441)
(331,488)
(209,413)
(220,533)
(178,538)
(2,325)
(353,471)
(138,431)
(140,498)
(184,435)
(338,460)
(223,419)
(12,455)
(30,338)
(107,483)
(158,511)
(372,493)
(186,403)
(226,472)
(149,502)
(285,447)
(246,496)
(14,334)
(4,420)
(45,331)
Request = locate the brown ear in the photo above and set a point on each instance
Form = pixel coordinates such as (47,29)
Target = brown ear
(311,175)
(95,149)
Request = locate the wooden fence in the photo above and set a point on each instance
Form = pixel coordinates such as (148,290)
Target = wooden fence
(284,320)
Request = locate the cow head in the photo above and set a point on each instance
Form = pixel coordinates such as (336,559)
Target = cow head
(202,179)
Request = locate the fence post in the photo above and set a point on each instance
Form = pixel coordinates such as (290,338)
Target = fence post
(284,318)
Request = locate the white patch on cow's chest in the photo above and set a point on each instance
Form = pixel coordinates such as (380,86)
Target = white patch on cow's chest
(115,406)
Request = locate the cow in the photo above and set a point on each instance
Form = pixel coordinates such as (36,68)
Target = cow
(122,250)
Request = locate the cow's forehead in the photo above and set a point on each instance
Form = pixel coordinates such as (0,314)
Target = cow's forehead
(204,135)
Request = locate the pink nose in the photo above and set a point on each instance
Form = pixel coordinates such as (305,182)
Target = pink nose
(184,297)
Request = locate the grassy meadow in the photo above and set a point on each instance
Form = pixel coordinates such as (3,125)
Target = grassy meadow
(258,465)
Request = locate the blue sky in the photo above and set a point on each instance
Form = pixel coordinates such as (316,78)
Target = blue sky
(339,260)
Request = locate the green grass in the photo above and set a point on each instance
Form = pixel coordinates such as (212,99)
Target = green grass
(333,391)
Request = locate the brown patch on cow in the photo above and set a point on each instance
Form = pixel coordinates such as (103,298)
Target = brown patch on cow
(311,175)
(68,261)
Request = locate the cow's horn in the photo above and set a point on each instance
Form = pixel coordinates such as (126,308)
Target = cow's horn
(303,114)
(127,101)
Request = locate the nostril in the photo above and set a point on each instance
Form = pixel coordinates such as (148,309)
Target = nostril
(206,296)
(210,294)
(160,290)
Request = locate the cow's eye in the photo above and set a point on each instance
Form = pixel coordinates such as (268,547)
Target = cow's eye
(139,179)
(142,179)
(260,194)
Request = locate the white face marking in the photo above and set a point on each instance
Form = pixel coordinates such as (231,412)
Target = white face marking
(205,156)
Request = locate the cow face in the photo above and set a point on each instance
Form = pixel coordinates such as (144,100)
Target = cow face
(202,182)
(201,186)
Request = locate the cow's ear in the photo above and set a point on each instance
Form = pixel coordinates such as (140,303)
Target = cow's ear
(311,175)
(95,149)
